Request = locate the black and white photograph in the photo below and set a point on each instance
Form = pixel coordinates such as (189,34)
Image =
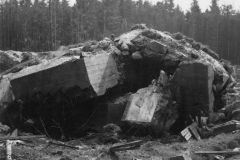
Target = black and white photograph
(119,80)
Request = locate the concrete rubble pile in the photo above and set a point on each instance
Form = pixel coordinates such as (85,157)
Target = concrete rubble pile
(173,76)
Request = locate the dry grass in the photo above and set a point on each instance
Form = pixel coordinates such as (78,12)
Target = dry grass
(147,151)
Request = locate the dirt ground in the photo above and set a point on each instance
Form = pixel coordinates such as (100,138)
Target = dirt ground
(149,150)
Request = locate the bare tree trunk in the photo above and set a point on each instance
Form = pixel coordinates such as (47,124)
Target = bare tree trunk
(16,29)
(55,25)
(228,51)
(217,38)
(104,22)
(236,58)
(50,27)
(3,47)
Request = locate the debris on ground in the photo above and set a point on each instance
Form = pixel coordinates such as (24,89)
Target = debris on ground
(182,157)
(126,146)
(226,127)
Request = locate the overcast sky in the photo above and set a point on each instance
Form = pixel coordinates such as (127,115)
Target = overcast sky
(204,4)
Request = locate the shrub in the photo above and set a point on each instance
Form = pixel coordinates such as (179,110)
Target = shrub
(139,26)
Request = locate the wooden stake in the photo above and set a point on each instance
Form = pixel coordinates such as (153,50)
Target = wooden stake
(217,152)
(9,150)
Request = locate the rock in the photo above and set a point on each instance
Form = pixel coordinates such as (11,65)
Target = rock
(4,129)
(196,46)
(115,50)
(104,43)
(210,52)
(182,157)
(195,56)
(9,59)
(65,158)
(112,128)
(163,79)
(137,55)
(148,43)
(218,117)
(124,47)
(125,53)
(86,54)
(157,47)
(233,144)
(153,34)
(222,83)
(77,51)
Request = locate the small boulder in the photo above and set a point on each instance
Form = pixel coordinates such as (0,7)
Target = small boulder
(124,47)
(125,53)
(4,129)
(137,55)
(194,56)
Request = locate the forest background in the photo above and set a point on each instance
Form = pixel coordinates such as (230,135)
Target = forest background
(43,25)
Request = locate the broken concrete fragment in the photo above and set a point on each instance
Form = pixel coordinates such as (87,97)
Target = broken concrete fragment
(151,107)
(195,56)
(10,58)
(157,47)
(125,39)
(124,47)
(6,94)
(137,55)
(141,106)
(4,129)
(163,79)
(125,53)
(220,85)
(116,51)
(104,43)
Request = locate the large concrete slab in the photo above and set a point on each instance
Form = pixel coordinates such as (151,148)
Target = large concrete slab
(192,87)
(98,72)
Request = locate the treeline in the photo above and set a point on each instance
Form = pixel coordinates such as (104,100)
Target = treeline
(45,25)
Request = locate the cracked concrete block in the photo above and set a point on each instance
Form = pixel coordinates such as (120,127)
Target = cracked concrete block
(157,47)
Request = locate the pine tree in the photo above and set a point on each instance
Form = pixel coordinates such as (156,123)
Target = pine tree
(196,21)
(213,26)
